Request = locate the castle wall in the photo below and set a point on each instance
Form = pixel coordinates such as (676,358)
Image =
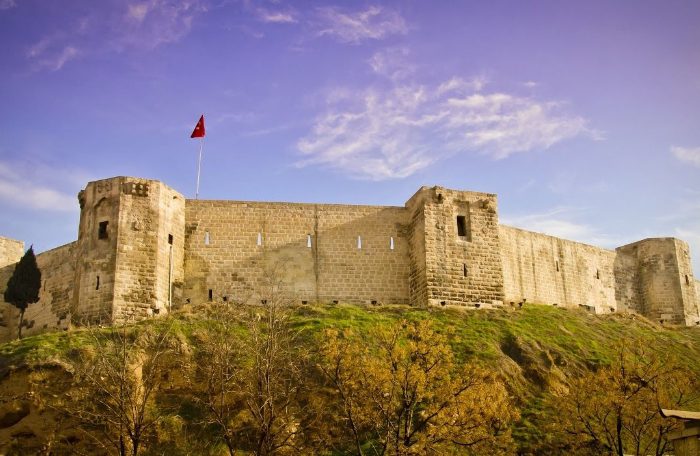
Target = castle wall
(544,269)
(53,310)
(11,251)
(143,247)
(313,249)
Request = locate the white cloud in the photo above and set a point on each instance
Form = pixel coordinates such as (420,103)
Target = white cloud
(559,222)
(275,17)
(690,155)
(7,4)
(142,25)
(392,63)
(152,23)
(20,187)
(372,24)
(395,133)
(459,85)
(138,11)
(50,54)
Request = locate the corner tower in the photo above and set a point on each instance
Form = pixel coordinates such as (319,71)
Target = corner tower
(665,281)
(454,248)
(130,249)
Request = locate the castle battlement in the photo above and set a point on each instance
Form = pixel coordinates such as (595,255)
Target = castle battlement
(144,249)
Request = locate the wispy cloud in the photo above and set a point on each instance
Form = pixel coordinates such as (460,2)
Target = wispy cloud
(356,27)
(20,186)
(460,85)
(142,25)
(7,4)
(690,155)
(152,23)
(392,134)
(51,53)
(275,17)
(561,222)
(392,63)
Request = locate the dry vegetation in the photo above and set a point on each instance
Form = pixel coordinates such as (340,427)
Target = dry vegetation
(277,379)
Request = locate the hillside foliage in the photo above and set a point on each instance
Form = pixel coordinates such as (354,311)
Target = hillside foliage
(278,379)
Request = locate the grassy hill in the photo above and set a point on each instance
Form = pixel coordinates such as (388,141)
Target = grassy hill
(536,350)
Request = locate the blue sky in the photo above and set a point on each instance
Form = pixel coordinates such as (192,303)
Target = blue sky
(582,116)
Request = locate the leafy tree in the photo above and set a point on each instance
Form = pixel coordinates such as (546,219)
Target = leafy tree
(615,410)
(402,393)
(24,285)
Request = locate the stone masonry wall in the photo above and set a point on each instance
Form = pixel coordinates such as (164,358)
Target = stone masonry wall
(462,256)
(323,253)
(53,310)
(665,281)
(10,251)
(96,254)
(544,269)
(149,212)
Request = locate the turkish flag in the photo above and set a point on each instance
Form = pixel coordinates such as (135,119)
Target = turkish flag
(198,131)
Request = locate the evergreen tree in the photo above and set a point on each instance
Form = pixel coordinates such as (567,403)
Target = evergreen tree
(24,285)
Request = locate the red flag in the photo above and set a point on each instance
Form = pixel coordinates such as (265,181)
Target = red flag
(198,131)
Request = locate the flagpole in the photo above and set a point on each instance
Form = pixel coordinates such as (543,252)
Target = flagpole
(199,167)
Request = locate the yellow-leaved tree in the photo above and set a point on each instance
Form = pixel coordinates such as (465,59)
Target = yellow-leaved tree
(401,392)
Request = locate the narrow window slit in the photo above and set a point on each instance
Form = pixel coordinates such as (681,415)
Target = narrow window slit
(359,242)
(391,243)
(170,239)
(211,294)
(687,279)
(464,269)
(259,241)
(597,274)
(308,240)
(97,283)
(557,265)
(207,238)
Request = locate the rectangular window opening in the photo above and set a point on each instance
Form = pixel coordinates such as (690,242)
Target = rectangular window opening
(308,240)
(461,226)
(391,243)
(97,284)
(102,230)
(211,295)
(207,238)
(170,239)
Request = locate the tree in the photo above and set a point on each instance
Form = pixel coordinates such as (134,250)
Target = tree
(115,383)
(402,393)
(615,410)
(24,285)
(253,375)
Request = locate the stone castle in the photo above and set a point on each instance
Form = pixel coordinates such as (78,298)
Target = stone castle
(143,249)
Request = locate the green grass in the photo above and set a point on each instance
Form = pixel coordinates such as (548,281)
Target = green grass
(532,349)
